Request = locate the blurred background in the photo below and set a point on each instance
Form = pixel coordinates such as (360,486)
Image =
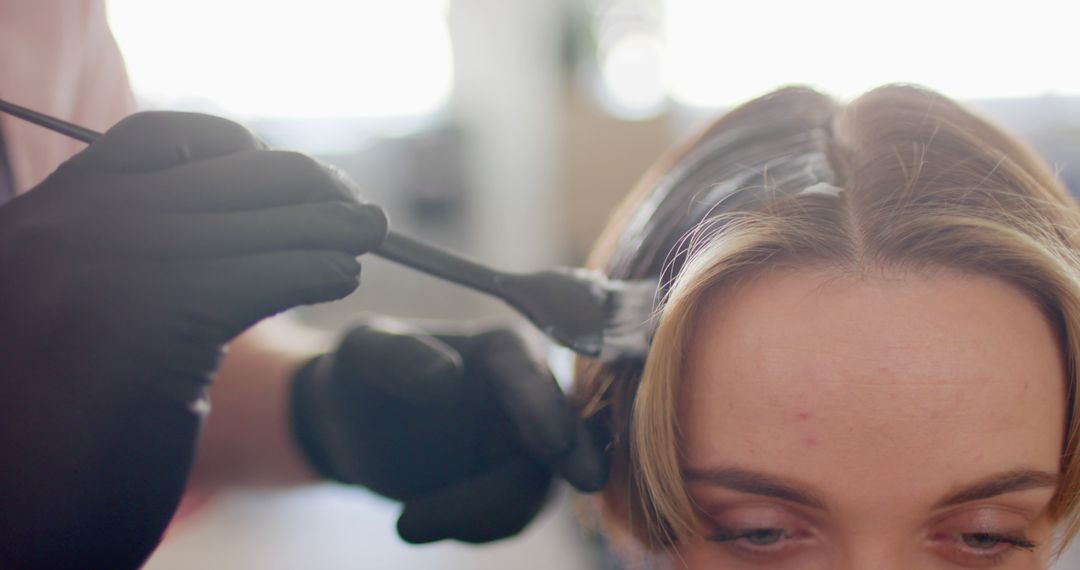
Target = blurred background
(508,130)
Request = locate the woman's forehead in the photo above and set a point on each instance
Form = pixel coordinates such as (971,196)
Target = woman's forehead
(885,372)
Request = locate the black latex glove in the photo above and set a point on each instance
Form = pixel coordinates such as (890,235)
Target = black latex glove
(465,430)
(122,276)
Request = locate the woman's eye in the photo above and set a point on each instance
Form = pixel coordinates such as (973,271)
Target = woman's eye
(765,536)
(980,541)
(985,541)
(981,548)
(758,537)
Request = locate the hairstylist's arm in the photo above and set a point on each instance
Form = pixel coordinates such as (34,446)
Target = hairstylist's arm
(122,276)
(466,430)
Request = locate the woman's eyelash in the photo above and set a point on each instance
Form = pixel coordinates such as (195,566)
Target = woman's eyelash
(755,536)
(768,536)
(1016,541)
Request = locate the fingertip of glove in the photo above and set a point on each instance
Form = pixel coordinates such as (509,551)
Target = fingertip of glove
(374,226)
(354,227)
(348,274)
(416,528)
(347,266)
(333,276)
(494,505)
(413,531)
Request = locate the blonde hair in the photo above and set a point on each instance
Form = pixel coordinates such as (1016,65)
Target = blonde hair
(911,181)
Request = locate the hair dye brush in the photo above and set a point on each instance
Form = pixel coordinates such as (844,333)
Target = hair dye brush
(579,309)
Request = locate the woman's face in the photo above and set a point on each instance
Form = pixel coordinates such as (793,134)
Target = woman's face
(872,422)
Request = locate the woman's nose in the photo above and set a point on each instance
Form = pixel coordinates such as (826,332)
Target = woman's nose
(880,554)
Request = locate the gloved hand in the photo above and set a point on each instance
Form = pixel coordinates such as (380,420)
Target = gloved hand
(122,276)
(465,430)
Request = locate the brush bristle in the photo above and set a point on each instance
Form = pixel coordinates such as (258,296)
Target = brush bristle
(584,311)
(631,306)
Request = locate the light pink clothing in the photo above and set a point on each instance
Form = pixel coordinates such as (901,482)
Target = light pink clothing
(57,57)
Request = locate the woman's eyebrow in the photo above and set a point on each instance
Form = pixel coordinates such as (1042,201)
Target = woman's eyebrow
(756,483)
(1000,484)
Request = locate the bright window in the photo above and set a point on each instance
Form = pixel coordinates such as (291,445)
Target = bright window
(725,52)
(258,59)
(714,53)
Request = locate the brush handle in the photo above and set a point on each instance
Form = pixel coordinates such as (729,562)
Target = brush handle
(396,247)
(61,126)
(440,263)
